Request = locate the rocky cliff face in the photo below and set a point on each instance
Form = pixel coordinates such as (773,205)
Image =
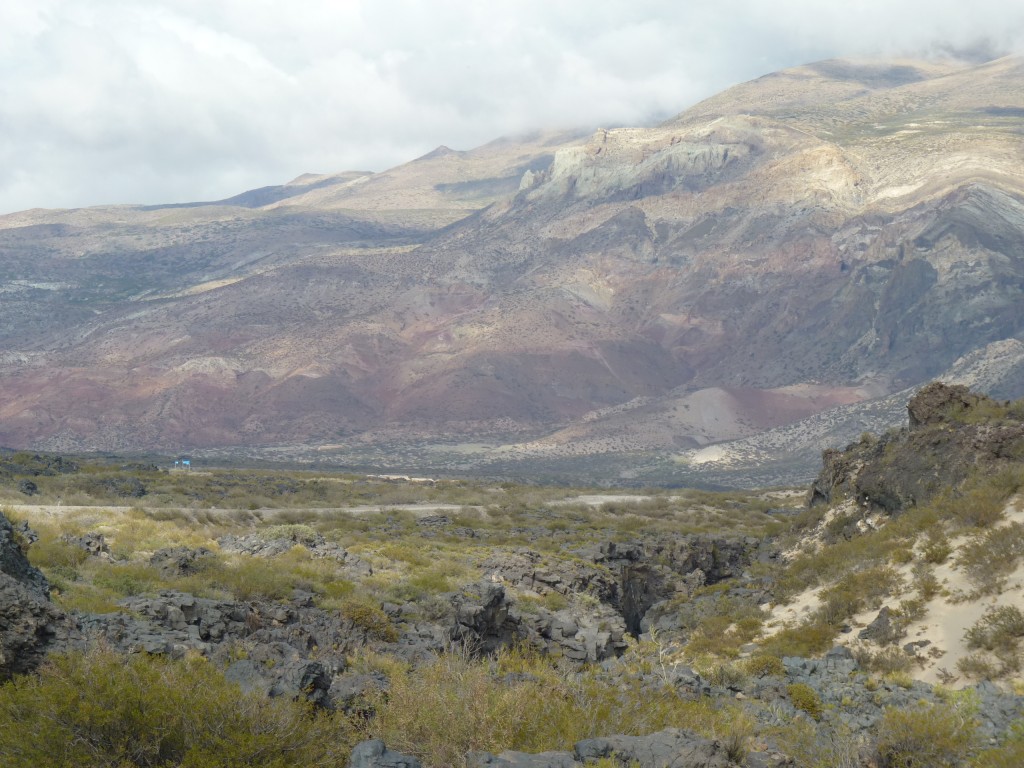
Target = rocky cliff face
(814,239)
(952,433)
(29,623)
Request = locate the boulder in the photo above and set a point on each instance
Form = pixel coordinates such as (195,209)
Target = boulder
(883,630)
(180,561)
(351,692)
(936,402)
(374,754)
(94,543)
(672,747)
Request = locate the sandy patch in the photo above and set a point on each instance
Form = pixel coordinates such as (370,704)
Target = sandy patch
(597,499)
(794,612)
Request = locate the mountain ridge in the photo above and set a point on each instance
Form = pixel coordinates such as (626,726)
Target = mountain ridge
(771,239)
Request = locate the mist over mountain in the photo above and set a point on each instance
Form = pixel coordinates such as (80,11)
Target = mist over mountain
(808,243)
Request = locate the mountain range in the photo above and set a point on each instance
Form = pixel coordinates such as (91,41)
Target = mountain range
(667,303)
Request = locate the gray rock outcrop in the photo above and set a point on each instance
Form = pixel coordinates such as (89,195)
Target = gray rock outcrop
(172,562)
(94,543)
(374,754)
(258,545)
(29,623)
(909,466)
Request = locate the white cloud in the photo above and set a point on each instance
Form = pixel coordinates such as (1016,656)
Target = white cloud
(120,101)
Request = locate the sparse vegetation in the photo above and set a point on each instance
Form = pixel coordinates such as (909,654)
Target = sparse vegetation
(937,736)
(991,557)
(384,571)
(100,709)
(996,637)
(519,701)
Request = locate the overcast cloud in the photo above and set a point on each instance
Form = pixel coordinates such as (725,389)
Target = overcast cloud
(146,101)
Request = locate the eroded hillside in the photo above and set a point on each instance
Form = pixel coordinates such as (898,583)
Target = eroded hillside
(813,240)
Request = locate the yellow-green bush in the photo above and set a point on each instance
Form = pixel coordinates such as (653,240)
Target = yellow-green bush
(885,661)
(805,698)
(54,553)
(936,548)
(997,635)
(810,639)
(856,591)
(440,711)
(552,601)
(101,709)
(764,665)
(297,532)
(125,579)
(369,617)
(990,558)
(820,745)
(936,736)
(249,578)
(980,666)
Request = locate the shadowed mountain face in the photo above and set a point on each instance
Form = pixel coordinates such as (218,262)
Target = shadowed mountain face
(814,239)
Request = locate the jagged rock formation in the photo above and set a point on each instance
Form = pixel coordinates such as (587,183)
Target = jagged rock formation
(179,561)
(817,238)
(29,623)
(909,466)
(261,546)
(294,648)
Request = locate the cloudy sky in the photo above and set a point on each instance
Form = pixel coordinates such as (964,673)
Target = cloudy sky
(146,101)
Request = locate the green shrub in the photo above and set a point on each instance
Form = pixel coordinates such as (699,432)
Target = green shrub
(297,532)
(820,745)
(420,586)
(810,639)
(886,661)
(250,578)
(805,698)
(926,583)
(982,505)
(728,675)
(902,678)
(552,601)
(990,558)
(54,553)
(126,579)
(936,549)
(1000,628)
(765,665)
(369,617)
(721,626)
(910,610)
(84,597)
(101,709)
(979,666)
(998,632)
(938,736)
(902,556)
